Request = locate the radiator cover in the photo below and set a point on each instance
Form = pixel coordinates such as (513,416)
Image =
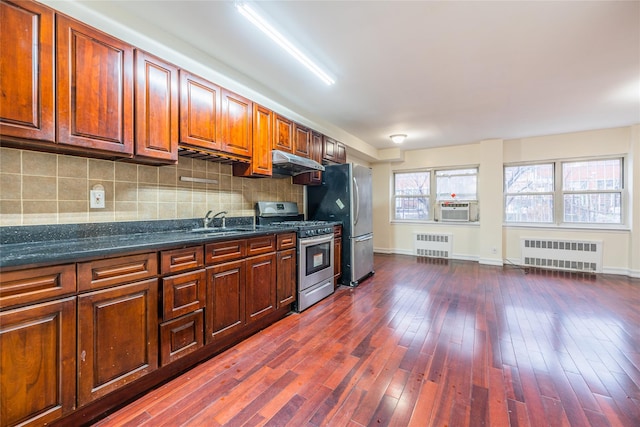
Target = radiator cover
(433,245)
(562,254)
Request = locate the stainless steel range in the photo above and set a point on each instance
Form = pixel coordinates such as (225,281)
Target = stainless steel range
(314,249)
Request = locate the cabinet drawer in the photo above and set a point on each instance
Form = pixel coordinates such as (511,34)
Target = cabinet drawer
(286,241)
(115,271)
(261,245)
(178,260)
(183,293)
(26,286)
(181,336)
(225,251)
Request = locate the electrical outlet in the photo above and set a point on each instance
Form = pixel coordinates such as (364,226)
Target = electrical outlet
(96,197)
(494,251)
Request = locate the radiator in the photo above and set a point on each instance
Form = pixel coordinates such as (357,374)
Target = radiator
(433,245)
(572,255)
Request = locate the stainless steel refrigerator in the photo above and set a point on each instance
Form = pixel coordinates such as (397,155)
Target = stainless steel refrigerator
(345,195)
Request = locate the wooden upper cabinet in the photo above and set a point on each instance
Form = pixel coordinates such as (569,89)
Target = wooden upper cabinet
(156,109)
(95,89)
(236,125)
(199,112)
(27,104)
(302,141)
(333,151)
(260,164)
(341,153)
(312,178)
(282,133)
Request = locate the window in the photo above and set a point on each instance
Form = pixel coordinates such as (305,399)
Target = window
(463,183)
(529,193)
(411,194)
(587,192)
(592,191)
(414,192)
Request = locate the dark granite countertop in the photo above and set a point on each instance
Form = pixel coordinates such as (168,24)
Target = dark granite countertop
(40,245)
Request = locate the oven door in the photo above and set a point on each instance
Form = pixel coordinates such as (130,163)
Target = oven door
(315,260)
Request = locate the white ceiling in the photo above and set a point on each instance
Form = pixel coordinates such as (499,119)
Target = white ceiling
(445,73)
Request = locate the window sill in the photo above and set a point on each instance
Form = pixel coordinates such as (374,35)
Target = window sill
(432,222)
(591,227)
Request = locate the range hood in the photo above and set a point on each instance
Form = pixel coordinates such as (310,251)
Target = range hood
(287,164)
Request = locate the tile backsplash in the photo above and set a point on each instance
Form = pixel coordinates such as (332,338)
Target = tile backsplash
(43,188)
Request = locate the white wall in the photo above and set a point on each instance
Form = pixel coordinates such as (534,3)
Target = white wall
(477,241)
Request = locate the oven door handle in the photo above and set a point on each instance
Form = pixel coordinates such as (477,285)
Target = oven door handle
(308,241)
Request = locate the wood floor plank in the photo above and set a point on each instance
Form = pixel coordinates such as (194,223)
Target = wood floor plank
(426,343)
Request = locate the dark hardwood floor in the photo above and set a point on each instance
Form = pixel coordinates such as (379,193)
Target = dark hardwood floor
(427,343)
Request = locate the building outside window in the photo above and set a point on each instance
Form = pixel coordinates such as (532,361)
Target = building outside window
(592,191)
(414,192)
(586,192)
(528,193)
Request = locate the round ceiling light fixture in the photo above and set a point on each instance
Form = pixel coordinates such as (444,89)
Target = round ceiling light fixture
(398,138)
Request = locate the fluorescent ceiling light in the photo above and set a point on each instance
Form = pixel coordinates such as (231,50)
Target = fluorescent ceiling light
(261,23)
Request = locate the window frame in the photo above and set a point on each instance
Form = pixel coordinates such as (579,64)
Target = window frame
(395,196)
(559,193)
(433,193)
(551,193)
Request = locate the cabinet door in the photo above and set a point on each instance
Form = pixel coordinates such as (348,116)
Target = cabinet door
(286,282)
(236,124)
(37,362)
(261,284)
(260,164)
(312,178)
(156,109)
(224,313)
(199,112)
(282,133)
(27,71)
(117,337)
(302,141)
(341,153)
(95,89)
(337,260)
(329,148)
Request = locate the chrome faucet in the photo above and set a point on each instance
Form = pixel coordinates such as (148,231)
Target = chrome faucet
(208,219)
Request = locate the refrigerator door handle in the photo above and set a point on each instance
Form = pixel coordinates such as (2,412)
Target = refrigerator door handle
(357,201)
(364,238)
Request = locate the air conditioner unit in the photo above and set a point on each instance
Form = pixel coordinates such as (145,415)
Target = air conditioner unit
(454,211)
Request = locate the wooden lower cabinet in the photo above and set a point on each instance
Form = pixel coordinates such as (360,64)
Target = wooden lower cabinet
(224,313)
(117,337)
(286,281)
(337,255)
(37,363)
(183,293)
(261,290)
(181,336)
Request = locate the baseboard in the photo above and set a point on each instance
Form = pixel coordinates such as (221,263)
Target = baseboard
(605,270)
(507,261)
(459,257)
(491,261)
